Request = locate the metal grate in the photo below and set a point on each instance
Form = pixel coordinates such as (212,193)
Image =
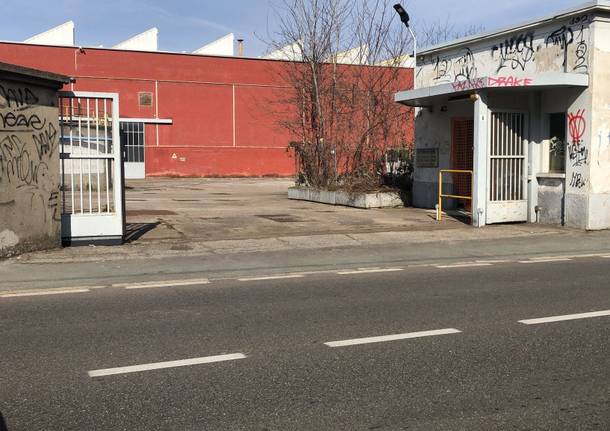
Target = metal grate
(507,157)
(87,155)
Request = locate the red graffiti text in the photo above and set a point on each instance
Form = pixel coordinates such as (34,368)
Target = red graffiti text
(508,81)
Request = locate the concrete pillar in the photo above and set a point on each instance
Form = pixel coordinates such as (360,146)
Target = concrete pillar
(479,190)
(534,154)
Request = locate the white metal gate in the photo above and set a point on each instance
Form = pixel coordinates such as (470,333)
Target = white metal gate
(507,168)
(91,171)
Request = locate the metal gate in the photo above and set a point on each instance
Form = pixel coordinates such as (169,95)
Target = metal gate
(507,186)
(90,166)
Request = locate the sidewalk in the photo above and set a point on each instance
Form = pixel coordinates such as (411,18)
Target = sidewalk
(254,258)
(162,249)
(258,231)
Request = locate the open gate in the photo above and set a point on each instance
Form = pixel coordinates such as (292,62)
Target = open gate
(91,168)
(507,168)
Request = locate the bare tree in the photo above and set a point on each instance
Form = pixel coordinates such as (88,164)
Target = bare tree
(344,117)
(435,32)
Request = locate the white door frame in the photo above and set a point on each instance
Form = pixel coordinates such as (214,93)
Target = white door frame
(133,170)
(94,212)
(507,201)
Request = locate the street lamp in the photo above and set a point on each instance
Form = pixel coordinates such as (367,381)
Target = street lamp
(404,17)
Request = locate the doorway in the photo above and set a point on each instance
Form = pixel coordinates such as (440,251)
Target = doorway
(462,148)
(132,143)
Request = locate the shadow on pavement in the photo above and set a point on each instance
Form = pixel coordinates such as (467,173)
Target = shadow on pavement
(3,426)
(134,231)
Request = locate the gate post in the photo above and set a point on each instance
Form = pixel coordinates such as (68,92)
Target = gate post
(479,183)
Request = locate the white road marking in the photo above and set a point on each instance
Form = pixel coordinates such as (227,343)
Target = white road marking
(605,257)
(271,277)
(464,265)
(164,283)
(44,293)
(565,317)
(549,260)
(394,337)
(369,271)
(169,364)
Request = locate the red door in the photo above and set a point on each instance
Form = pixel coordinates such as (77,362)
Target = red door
(462,143)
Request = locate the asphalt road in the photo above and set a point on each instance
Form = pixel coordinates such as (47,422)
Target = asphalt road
(485,370)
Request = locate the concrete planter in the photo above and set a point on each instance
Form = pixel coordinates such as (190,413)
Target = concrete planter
(356,200)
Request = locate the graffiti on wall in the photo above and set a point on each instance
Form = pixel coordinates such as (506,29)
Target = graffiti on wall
(515,52)
(562,47)
(572,33)
(27,144)
(577,150)
(462,68)
(562,37)
(581,53)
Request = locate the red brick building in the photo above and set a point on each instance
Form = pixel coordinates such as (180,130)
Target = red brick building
(183,114)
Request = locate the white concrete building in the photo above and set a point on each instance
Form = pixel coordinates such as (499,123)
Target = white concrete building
(528,110)
(223,46)
(145,41)
(62,35)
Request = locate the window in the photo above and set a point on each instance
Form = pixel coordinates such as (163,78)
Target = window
(557,142)
(132,140)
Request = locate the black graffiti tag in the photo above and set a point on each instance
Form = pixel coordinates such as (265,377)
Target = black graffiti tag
(466,68)
(16,97)
(582,50)
(579,155)
(515,52)
(578,181)
(17,166)
(561,37)
(441,68)
(45,141)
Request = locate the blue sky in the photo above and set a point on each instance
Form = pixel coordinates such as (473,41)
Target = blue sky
(185,25)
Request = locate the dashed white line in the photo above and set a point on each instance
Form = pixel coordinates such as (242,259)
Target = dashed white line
(44,293)
(550,260)
(565,317)
(394,337)
(369,271)
(271,277)
(162,283)
(168,364)
(464,265)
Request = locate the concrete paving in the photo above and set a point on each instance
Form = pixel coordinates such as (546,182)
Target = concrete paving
(180,217)
(229,209)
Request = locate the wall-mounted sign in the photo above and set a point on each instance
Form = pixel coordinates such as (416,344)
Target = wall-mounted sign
(426,157)
(145,98)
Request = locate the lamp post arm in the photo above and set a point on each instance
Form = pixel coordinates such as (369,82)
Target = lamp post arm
(414,57)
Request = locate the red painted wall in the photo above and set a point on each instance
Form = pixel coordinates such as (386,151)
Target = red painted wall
(224,110)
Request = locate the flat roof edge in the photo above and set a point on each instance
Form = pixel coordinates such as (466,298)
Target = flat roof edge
(585,7)
(34,73)
(418,96)
(188,54)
